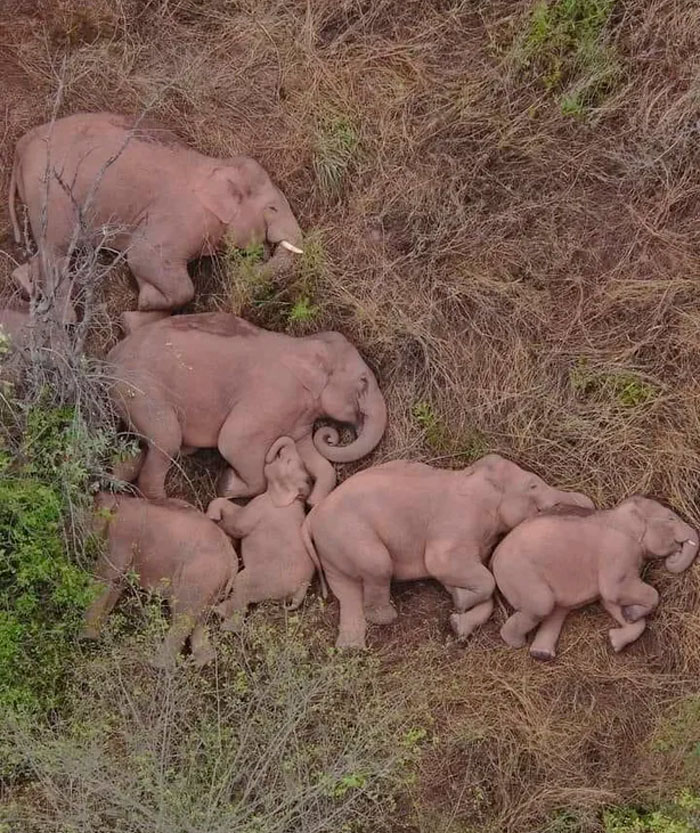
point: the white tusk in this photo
(288, 246)
(690, 541)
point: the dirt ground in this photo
(503, 209)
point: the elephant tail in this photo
(311, 551)
(11, 203)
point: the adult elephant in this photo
(136, 188)
(216, 381)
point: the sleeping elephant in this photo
(215, 381)
(407, 521)
(554, 563)
(165, 203)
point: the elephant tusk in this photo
(690, 541)
(288, 246)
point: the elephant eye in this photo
(272, 208)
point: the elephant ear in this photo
(310, 368)
(220, 194)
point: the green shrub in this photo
(42, 595)
(283, 735)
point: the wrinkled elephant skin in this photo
(552, 564)
(406, 520)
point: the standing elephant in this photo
(406, 521)
(215, 381)
(552, 564)
(173, 548)
(275, 562)
(164, 202)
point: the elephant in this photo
(138, 189)
(551, 564)
(174, 548)
(275, 562)
(406, 520)
(214, 380)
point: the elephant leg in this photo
(352, 627)
(111, 567)
(628, 632)
(202, 650)
(23, 278)
(319, 468)
(638, 600)
(378, 607)
(469, 582)
(183, 623)
(100, 609)
(245, 476)
(164, 282)
(130, 321)
(298, 596)
(164, 441)
(514, 632)
(233, 609)
(545, 642)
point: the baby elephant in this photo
(276, 564)
(556, 562)
(173, 548)
(407, 521)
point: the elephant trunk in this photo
(682, 559)
(371, 430)
(284, 231)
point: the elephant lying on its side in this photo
(167, 203)
(214, 380)
(406, 521)
(174, 548)
(275, 562)
(552, 564)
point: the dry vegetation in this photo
(501, 198)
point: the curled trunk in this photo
(682, 559)
(369, 431)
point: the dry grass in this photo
(528, 279)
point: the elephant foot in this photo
(89, 632)
(163, 661)
(513, 640)
(130, 321)
(203, 656)
(230, 485)
(633, 613)
(23, 280)
(463, 625)
(542, 654)
(234, 623)
(350, 639)
(384, 615)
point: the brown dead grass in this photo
(480, 249)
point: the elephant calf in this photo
(552, 564)
(276, 564)
(406, 521)
(173, 548)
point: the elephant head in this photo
(660, 531)
(253, 210)
(350, 396)
(287, 478)
(522, 494)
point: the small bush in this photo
(565, 45)
(283, 736)
(336, 149)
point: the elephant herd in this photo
(213, 380)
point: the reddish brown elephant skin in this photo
(140, 190)
(556, 562)
(406, 520)
(214, 380)
(173, 548)
(275, 562)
